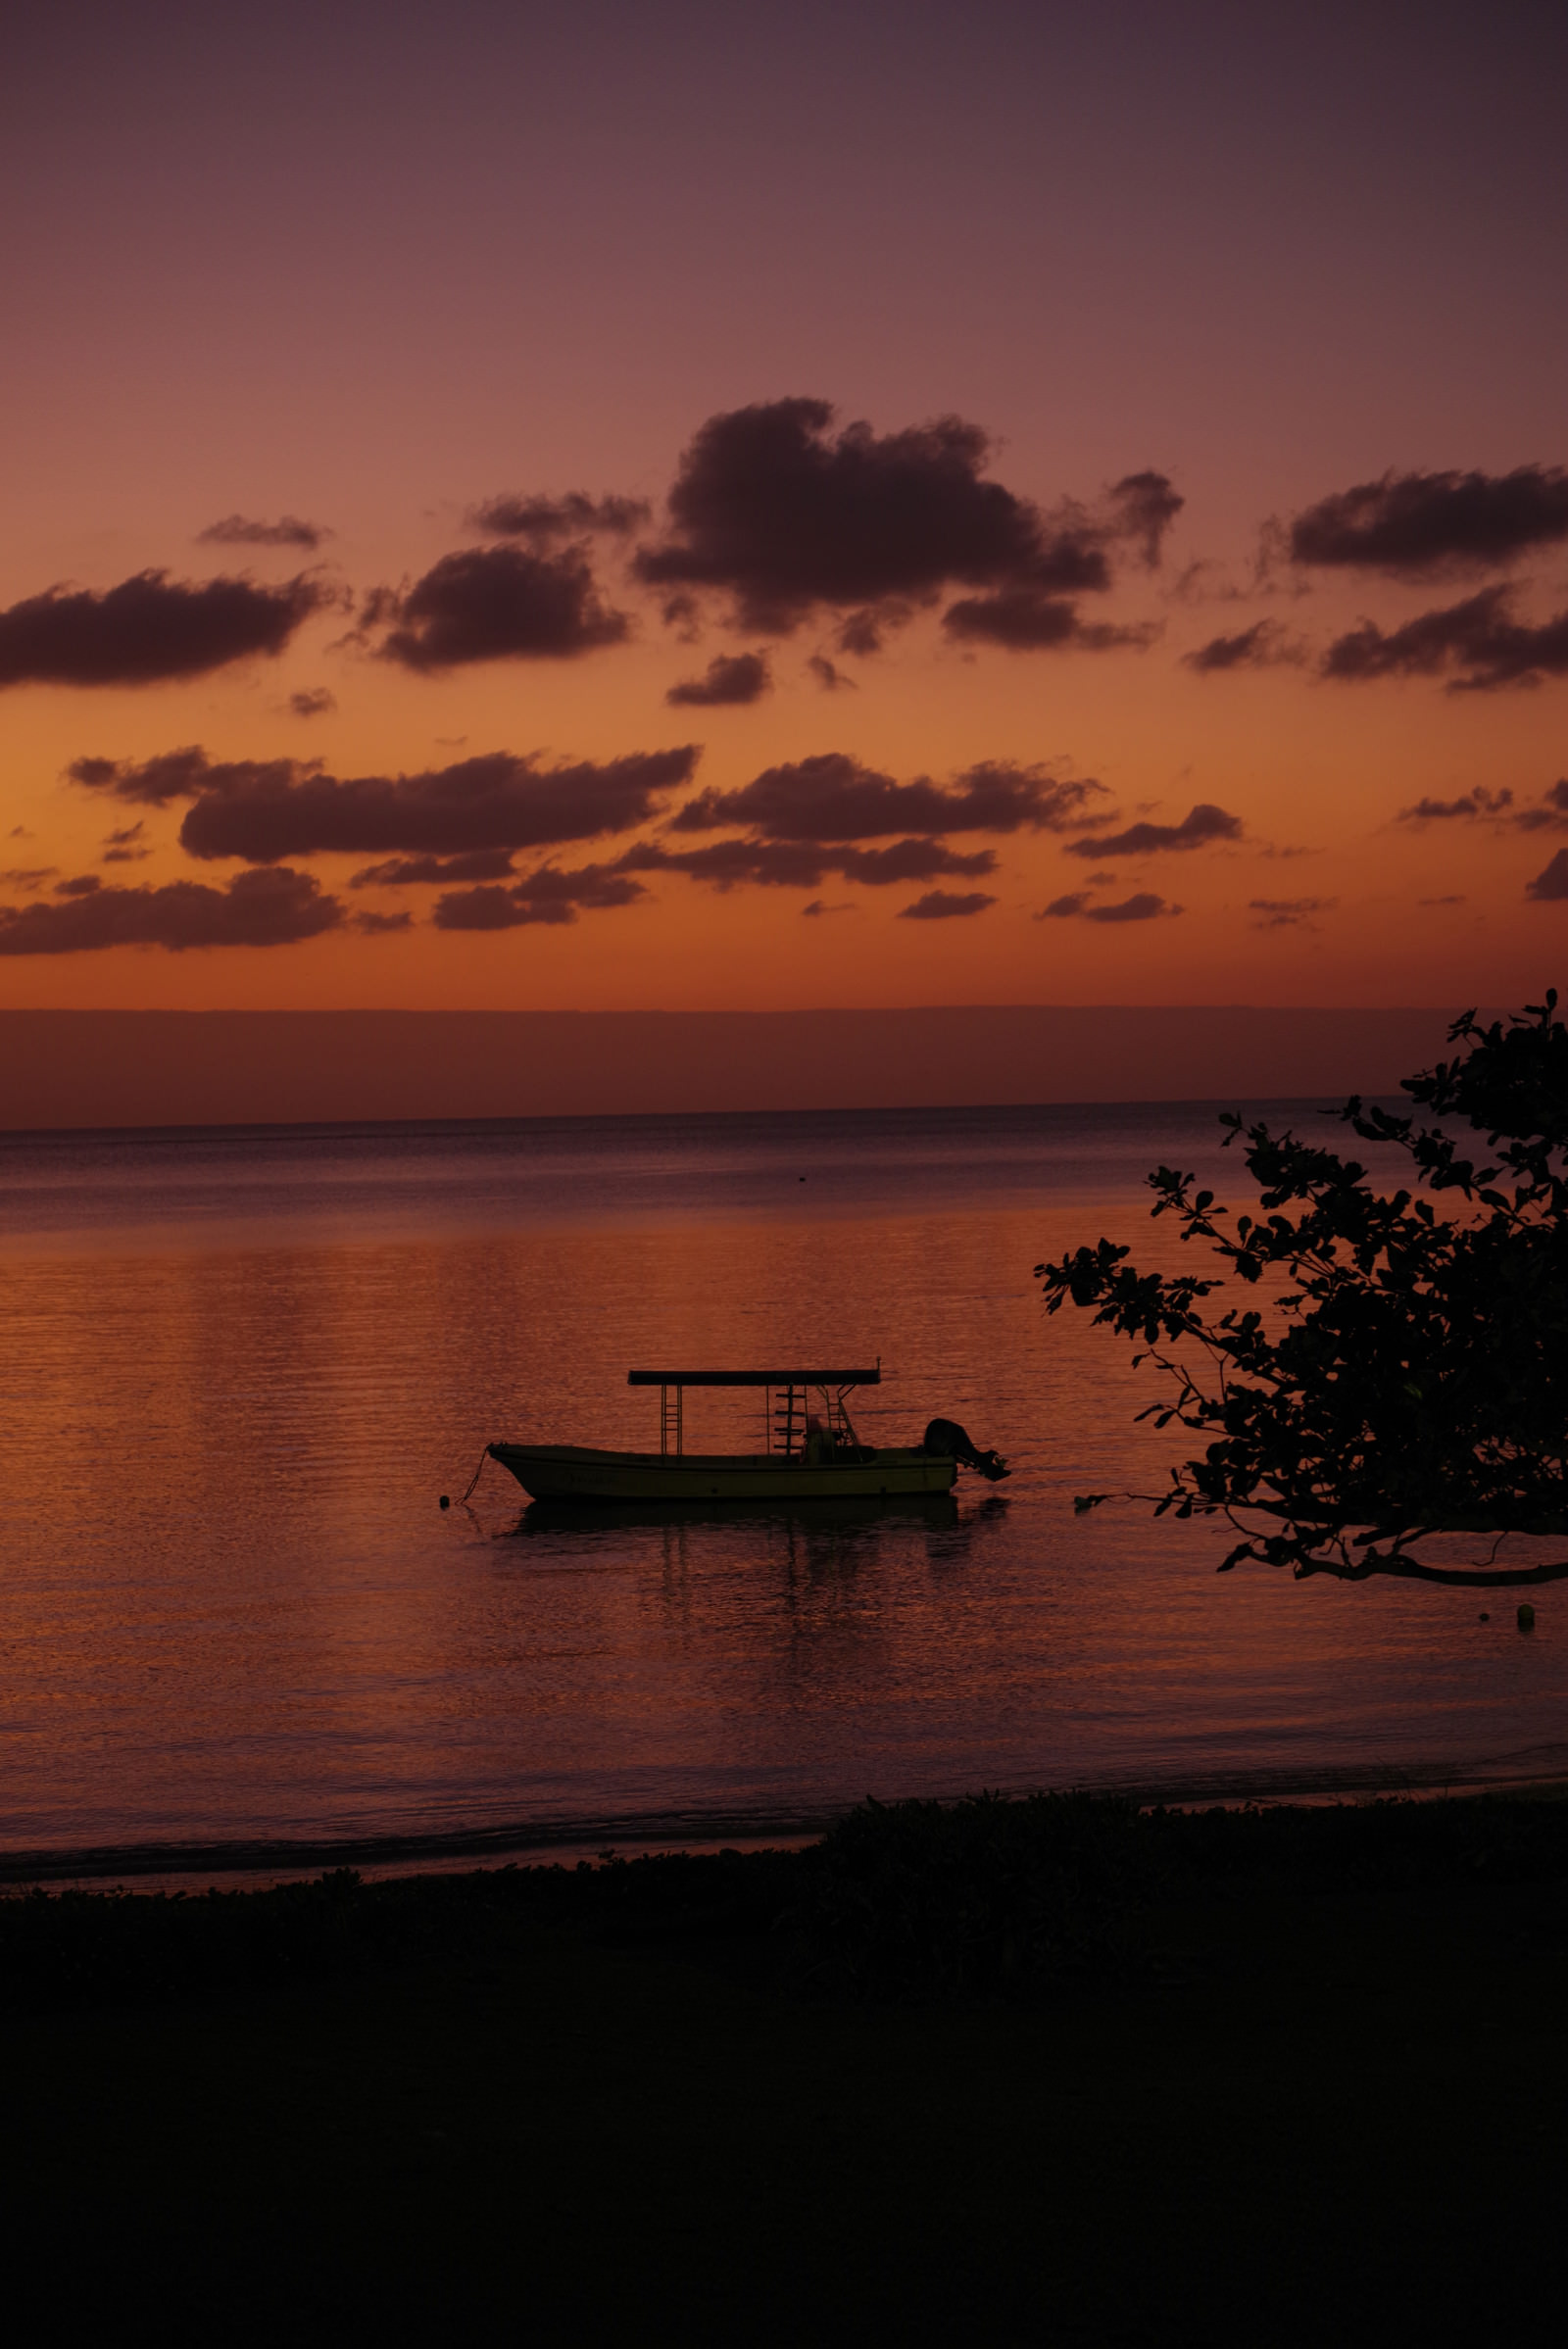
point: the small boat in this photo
(809, 1449)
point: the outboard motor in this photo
(945, 1439)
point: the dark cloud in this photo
(1142, 906)
(1288, 913)
(170, 775)
(1442, 901)
(1427, 525)
(834, 796)
(942, 905)
(1145, 504)
(731, 679)
(502, 603)
(864, 633)
(81, 885)
(547, 521)
(775, 511)
(376, 926)
(264, 811)
(318, 702)
(806, 864)
(257, 908)
(1478, 801)
(1261, 646)
(818, 906)
(1201, 826)
(549, 895)
(1479, 641)
(831, 679)
(127, 846)
(1021, 619)
(28, 876)
(1145, 906)
(234, 530)
(490, 910)
(1551, 885)
(1549, 814)
(149, 629)
(404, 872)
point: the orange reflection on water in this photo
(232, 1607)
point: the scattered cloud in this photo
(1479, 642)
(1550, 812)
(267, 810)
(549, 895)
(1551, 885)
(1147, 504)
(235, 530)
(1478, 801)
(1288, 913)
(732, 679)
(28, 876)
(1442, 901)
(127, 846)
(1434, 525)
(1262, 645)
(818, 906)
(377, 925)
(545, 521)
(1022, 620)
(503, 603)
(832, 796)
(316, 701)
(806, 864)
(775, 511)
(830, 679)
(1144, 906)
(943, 904)
(1201, 826)
(405, 872)
(150, 629)
(275, 908)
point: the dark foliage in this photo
(966, 1899)
(1405, 1372)
(974, 1901)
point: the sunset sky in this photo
(612, 505)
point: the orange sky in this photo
(292, 269)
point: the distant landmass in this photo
(177, 1068)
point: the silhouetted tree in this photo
(1401, 1370)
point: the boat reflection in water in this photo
(937, 1511)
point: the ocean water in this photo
(237, 1369)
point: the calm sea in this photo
(238, 1368)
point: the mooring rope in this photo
(474, 1479)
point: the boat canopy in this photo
(755, 1378)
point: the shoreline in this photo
(253, 1862)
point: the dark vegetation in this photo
(999, 2071)
(1398, 1369)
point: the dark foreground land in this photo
(1047, 2072)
